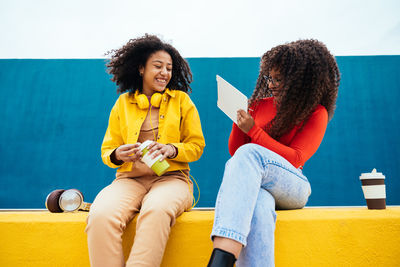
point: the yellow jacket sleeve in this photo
(112, 138)
(192, 140)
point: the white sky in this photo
(202, 28)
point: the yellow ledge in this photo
(344, 236)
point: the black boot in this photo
(221, 258)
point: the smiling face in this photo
(156, 73)
(275, 82)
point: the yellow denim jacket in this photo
(179, 124)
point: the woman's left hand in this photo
(244, 121)
(156, 149)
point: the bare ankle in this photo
(228, 245)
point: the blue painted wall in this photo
(54, 114)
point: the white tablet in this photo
(230, 99)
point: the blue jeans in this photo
(256, 181)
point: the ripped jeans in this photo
(256, 181)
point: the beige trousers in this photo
(160, 201)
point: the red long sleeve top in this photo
(296, 146)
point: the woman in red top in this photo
(289, 110)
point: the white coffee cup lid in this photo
(145, 144)
(372, 175)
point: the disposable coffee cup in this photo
(373, 186)
(159, 167)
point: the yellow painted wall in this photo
(307, 237)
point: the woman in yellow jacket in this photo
(154, 80)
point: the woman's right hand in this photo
(244, 121)
(128, 152)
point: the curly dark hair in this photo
(310, 77)
(125, 63)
